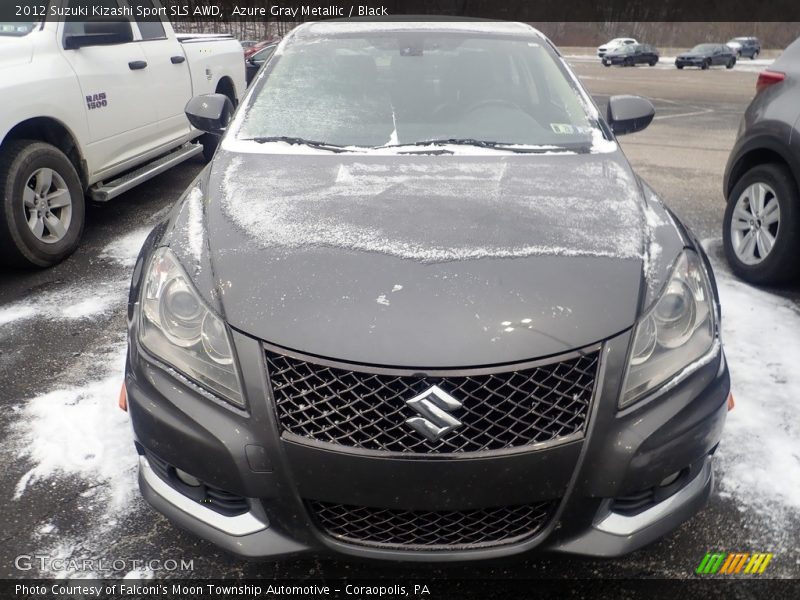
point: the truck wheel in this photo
(42, 210)
(761, 226)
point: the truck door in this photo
(171, 86)
(114, 82)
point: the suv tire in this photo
(780, 264)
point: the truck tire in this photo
(42, 210)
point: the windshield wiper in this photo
(479, 144)
(298, 141)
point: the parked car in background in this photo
(95, 107)
(254, 62)
(704, 56)
(248, 43)
(248, 52)
(761, 227)
(388, 372)
(745, 46)
(615, 43)
(631, 55)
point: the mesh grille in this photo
(430, 530)
(369, 410)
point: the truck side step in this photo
(105, 191)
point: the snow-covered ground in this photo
(759, 457)
(76, 430)
(668, 62)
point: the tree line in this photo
(666, 34)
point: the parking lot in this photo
(68, 486)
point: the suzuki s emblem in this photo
(435, 405)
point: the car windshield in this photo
(17, 29)
(399, 88)
(701, 48)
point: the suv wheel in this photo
(42, 209)
(761, 227)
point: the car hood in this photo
(15, 51)
(419, 261)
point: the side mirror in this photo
(629, 114)
(210, 112)
(100, 33)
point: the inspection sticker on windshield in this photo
(562, 128)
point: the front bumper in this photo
(689, 62)
(620, 454)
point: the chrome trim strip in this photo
(237, 526)
(435, 371)
(622, 525)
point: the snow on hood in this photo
(301, 244)
(437, 210)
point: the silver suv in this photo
(761, 230)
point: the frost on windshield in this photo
(451, 209)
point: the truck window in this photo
(150, 27)
(77, 27)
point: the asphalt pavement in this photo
(62, 340)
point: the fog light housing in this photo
(189, 480)
(669, 479)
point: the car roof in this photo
(349, 27)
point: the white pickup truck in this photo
(94, 107)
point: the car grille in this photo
(430, 530)
(368, 410)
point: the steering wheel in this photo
(491, 102)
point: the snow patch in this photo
(79, 431)
(125, 250)
(759, 456)
(72, 303)
(334, 206)
(195, 231)
(16, 312)
(139, 574)
(382, 299)
(760, 450)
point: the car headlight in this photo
(179, 328)
(675, 333)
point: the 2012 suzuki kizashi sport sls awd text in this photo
(419, 307)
